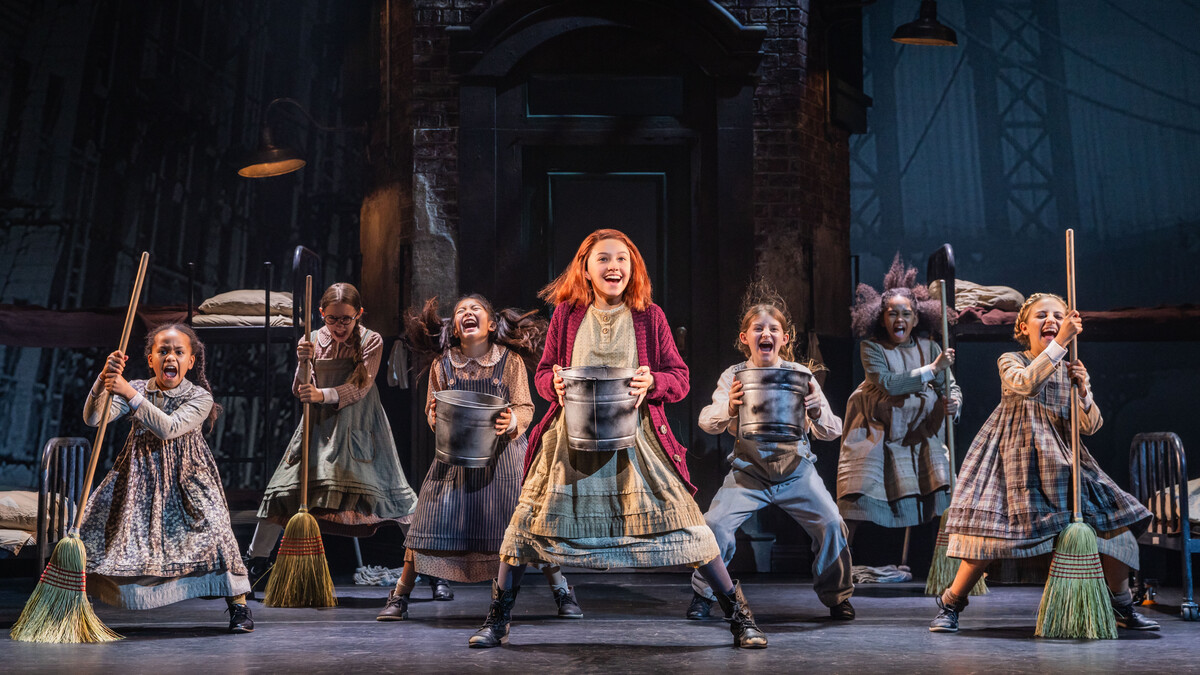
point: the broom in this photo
(943, 569)
(59, 611)
(300, 577)
(1076, 602)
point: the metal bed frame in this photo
(1158, 477)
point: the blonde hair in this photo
(1023, 314)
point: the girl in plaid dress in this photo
(1014, 490)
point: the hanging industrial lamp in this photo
(926, 30)
(272, 160)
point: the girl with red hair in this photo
(631, 507)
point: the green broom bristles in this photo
(944, 568)
(1076, 601)
(59, 611)
(300, 577)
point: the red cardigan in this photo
(656, 348)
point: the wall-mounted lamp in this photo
(926, 30)
(271, 160)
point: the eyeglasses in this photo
(344, 320)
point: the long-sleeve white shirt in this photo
(767, 460)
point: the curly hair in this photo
(572, 286)
(761, 297)
(900, 281)
(1023, 314)
(201, 362)
(428, 335)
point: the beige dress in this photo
(894, 468)
(623, 508)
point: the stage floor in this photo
(633, 623)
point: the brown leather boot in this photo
(494, 631)
(396, 608)
(746, 633)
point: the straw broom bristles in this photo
(300, 577)
(944, 568)
(1075, 603)
(58, 611)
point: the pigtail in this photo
(360, 378)
(522, 333)
(202, 381)
(426, 334)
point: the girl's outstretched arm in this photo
(875, 366)
(94, 406)
(186, 417)
(1025, 380)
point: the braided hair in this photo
(343, 293)
(201, 362)
(900, 281)
(428, 335)
(1023, 314)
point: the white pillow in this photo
(247, 303)
(18, 510)
(970, 294)
(208, 320)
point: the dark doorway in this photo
(645, 192)
(577, 116)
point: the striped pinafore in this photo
(462, 512)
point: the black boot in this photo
(741, 620)
(700, 607)
(494, 631)
(240, 619)
(1127, 617)
(441, 589)
(256, 569)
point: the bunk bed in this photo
(257, 323)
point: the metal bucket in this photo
(772, 408)
(466, 427)
(600, 413)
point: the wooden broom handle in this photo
(130, 315)
(304, 436)
(946, 384)
(1072, 355)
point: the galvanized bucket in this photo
(773, 405)
(466, 427)
(600, 413)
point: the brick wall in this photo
(801, 167)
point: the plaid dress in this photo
(1014, 491)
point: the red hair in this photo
(572, 286)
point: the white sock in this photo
(266, 535)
